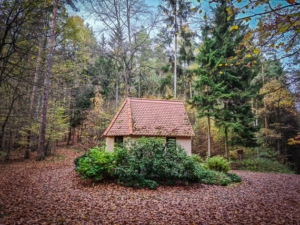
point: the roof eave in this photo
(113, 121)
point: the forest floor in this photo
(50, 192)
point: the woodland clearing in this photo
(50, 192)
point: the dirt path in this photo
(51, 193)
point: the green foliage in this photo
(264, 165)
(217, 163)
(148, 159)
(269, 154)
(266, 153)
(96, 164)
(213, 177)
(148, 162)
(223, 86)
(76, 161)
(234, 178)
(57, 121)
(196, 158)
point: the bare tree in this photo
(122, 21)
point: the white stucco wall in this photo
(110, 141)
(185, 142)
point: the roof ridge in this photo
(157, 100)
(115, 118)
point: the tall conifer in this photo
(224, 78)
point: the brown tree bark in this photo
(41, 142)
(208, 137)
(226, 143)
(34, 88)
(2, 132)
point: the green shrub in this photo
(206, 176)
(76, 161)
(96, 164)
(149, 159)
(217, 163)
(196, 158)
(148, 162)
(234, 178)
(222, 179)
(264, 165)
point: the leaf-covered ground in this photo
(50, 192)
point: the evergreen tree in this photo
(208, 90)
(224, 78)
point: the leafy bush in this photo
(148, 162)
(222, 178)
(76, 161)
(196, 158)
(217, 163)
(96, 164)
(234, 178)
(148, 159)
(206, 176)
(264, 165)
(216, 178)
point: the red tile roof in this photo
(145, 117)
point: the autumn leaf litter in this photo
(50, 192)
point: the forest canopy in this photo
(65, 67)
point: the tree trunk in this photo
(6, 120)
(184, 88)
(226, 144)
(126, 80)
(265, 107)
(278, 137)
(208, 137)
(33, 94)
(69, 135)
(9, 146)
(175, 68)
(256, 113)
(130, 63)
(35, 137)
(175, 53)
(139, 94)
(41, 142)
(278, 129)
(117, 93)
(191, 89)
